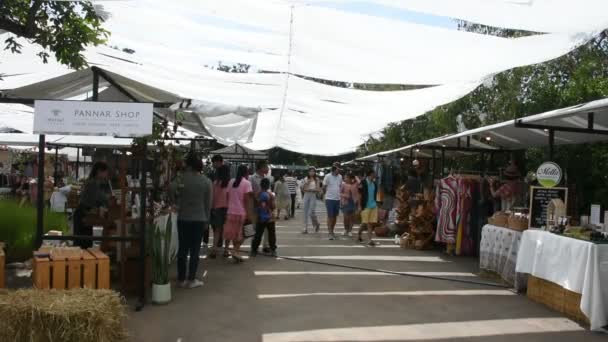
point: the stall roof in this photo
(571, 125)
(19, 139)
(239, 152)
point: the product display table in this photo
(498, 252)
(576, 265)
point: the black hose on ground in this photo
(463, 281)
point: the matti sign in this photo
(124, 119)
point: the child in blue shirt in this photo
(265, 209)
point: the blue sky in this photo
(392, 13)
(361, 7)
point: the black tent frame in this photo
(97, 72)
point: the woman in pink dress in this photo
(239, 189)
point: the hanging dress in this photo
(445, 202)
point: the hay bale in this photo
(61, 315)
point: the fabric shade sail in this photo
(290, 43)
(326, 43)
(528, 15)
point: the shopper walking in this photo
(265, 220)
(283, 197)
(219, 209)
(261, 172)
(217, 161)
(192, 195)
(349, 202)
(311, 189)
(239, 189)
(332, 184)
(292, 184)
(369, 207)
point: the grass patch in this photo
(18, 228)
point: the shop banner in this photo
(122, 119)
(549, 174)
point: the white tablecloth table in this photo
(498, 252)
(576, 265)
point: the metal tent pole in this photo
(56, 175)
(551, 144)
(442, 162)
(77, 162)
(142, 236)
(40, 193)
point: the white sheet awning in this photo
(508, 136)
(292, 38)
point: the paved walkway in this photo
(274, 300)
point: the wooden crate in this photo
(69, 268)
(556, 298)
(2, 265)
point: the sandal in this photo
(226, 254)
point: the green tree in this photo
(577, 77)
(63, 27)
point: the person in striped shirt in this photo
(292, 185)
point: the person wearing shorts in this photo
(332, 185)
(369, 207)
(239, 189)
(349, 203)
(219, 210)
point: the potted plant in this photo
(162, 255)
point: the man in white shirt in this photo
(332, 185)
(59, 198)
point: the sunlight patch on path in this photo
(430, 331)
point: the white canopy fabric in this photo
(294, 113)
(507, 136)
(323, 108)
(15, 118)
(529, 15)
(325, 43)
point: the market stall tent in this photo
(238, 153)
(579, 124)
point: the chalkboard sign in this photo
(539, 200)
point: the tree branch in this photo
(13, 27)
(30, 27)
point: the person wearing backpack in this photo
(265, 219)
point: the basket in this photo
(556, 298)
(499, 219)
(519, 223)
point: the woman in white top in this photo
(310, 188)
(283, 197)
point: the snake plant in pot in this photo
(162, 255)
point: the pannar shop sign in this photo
(549, 174)
(124, 119)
